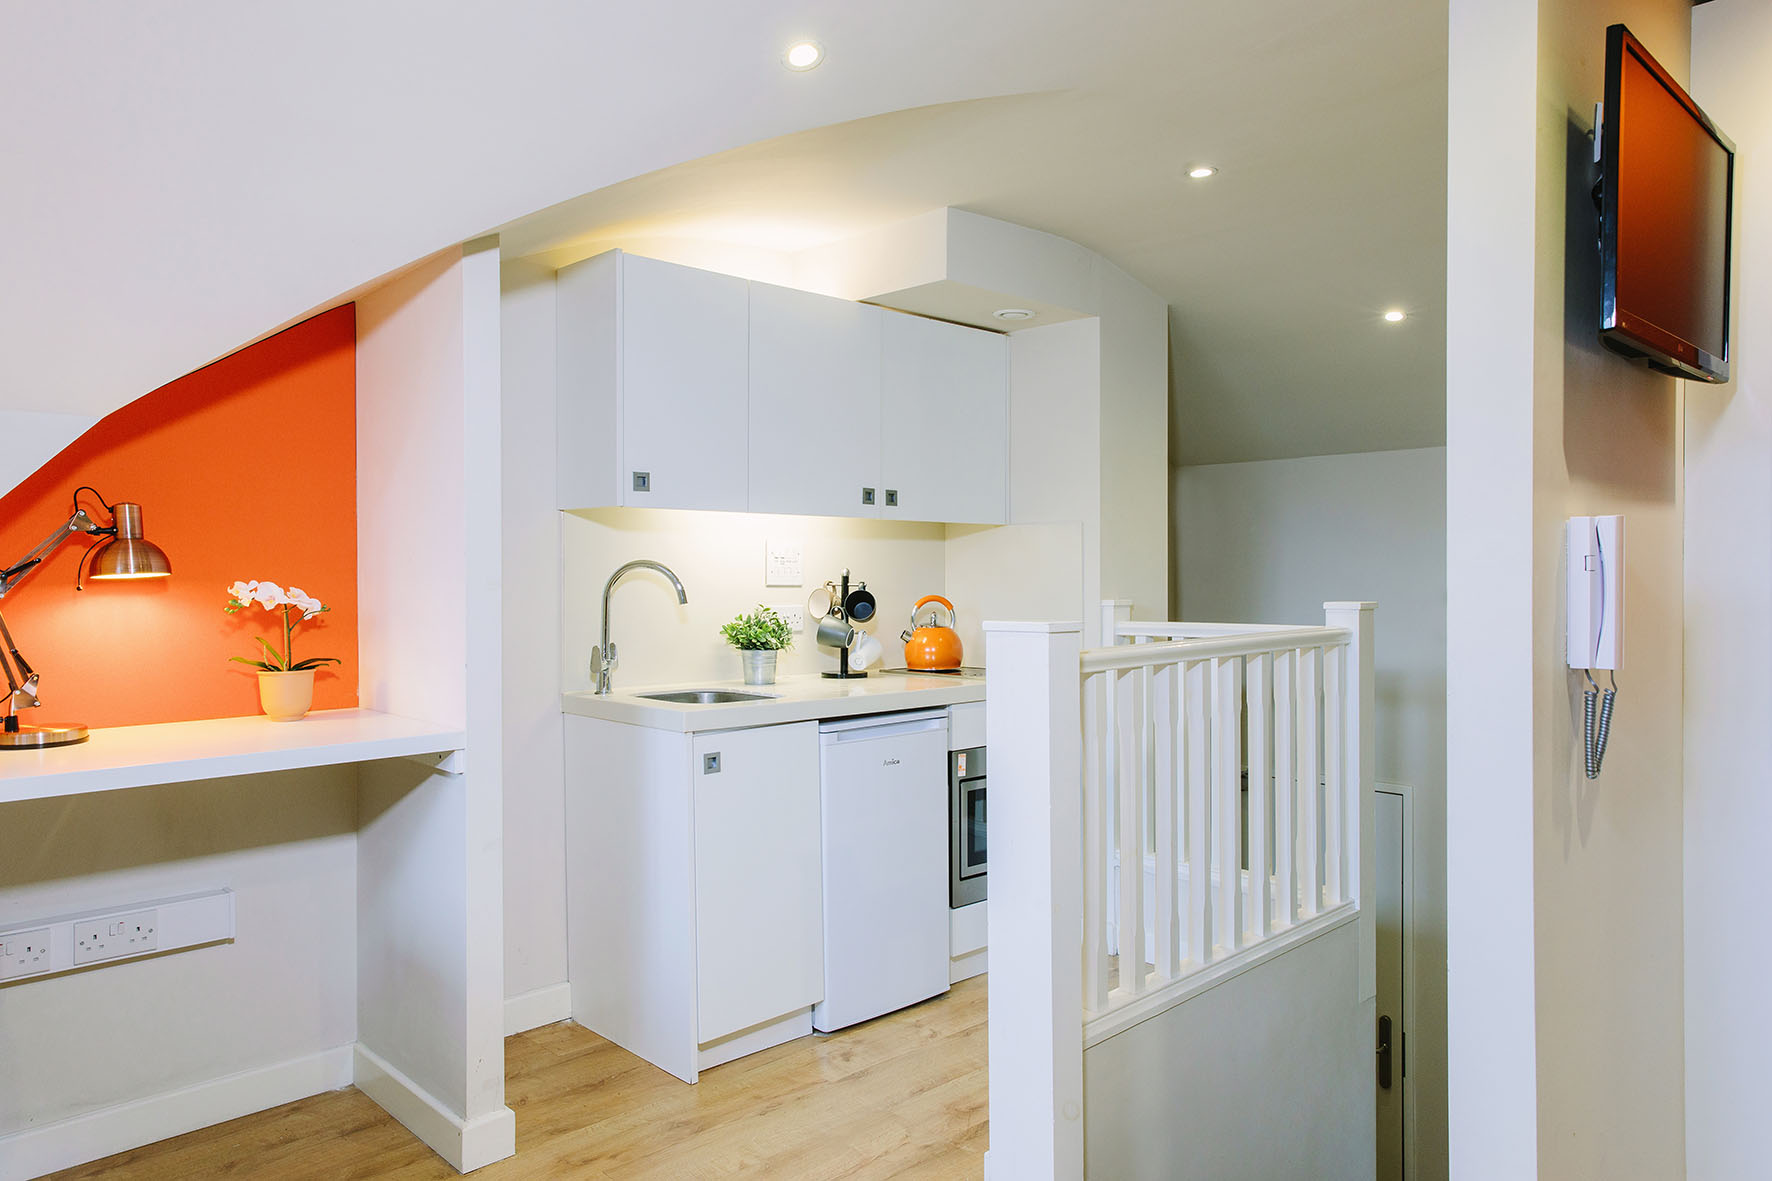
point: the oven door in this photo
(969, 859)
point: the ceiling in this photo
(1327, 124)
(184, 179)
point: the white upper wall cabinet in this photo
(944, 430)
(652, 377)
(814, 404)
(682, 388)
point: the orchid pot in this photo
(285, 684)
(286, 697)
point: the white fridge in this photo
(883, 787)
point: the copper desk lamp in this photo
(123, 555)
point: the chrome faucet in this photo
(603, 656)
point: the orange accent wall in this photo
(246, 469)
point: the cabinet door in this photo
(944, 422)
(759, 919)
(682, 405)
(814, 404)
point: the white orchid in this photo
(270, 596)
(307, 604)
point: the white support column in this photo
(1032, 709)
(1359, 755)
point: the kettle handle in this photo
(926, 599)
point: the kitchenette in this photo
(750, 863)
(753, 860)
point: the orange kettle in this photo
(928, 646)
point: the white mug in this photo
(864, 650)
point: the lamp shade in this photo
(127, 555)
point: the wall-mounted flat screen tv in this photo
(1666, 189)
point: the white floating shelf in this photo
(179, 752)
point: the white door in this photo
(884, 793)
(814, 404)
(1391, 918)
(944, 422)
(684, 346)
(759, 941)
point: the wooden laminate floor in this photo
(901, 1096)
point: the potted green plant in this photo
(285, 684)
(758, 637)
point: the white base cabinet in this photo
(759, 923)
(694, 910)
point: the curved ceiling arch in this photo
(186, 178)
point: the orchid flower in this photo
(270, 596)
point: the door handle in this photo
(1384, 1053)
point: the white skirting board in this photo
(538, 1007)
(965, 967)
(465, 1144)
(97, 1134)
(757, 1037)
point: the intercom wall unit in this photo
(1596, 592)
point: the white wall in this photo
(1157, 1109)
(534, 768)
(28, 440)
(1271, 542)
(1729, 634)
(1564, 895)
(285, 988)
(719, 557)
(1014, 572)
(1055, 464)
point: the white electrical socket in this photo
(116, 935)
(24, 953)
(792, 614)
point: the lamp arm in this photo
(12, 575)
(9, 658)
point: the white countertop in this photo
(801, 697)
(178, 752)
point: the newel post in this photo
(1360, 751)
(1032, 712)
(1114, 612)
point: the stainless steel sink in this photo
(705, 696)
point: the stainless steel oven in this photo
(967, 862)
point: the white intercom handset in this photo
(1596, 620)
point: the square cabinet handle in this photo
(867, 496)
(710, 764)
(642, 481)
(891, 498)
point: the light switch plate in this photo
(783, 564)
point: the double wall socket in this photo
(792, 614)
(99, 938)
(116, 935)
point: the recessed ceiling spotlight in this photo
(803, 55)
(1013, 314)
(1201, 171)
(1396, 315)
